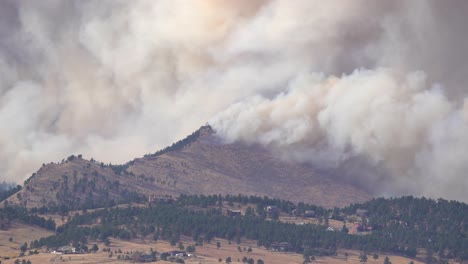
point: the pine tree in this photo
(363, 257)
(387, 261)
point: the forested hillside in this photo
(435, 230)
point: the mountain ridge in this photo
(198, 164)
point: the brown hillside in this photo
(78, 182)
(200, 164)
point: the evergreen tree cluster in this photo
(407, 224)
(6, 190)
(9, 214)
(181, 143)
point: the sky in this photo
(373, 92)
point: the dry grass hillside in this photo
(199, 164)
(210, 167)
(207, 253)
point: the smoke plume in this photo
(371, 91)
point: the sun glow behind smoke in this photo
(372, 91)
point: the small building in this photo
(361, 228)
(362, 212)
(281, 247)
(309, 213)
(330, 229)
(157, 199)
(65, 250)
(272, 210)
(233, 213)
(177, 253)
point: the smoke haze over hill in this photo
(374, 91)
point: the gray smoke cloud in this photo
(373, 91)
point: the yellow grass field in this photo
(208, 253)
(19, 233)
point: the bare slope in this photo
(77, 182)
(210, 167)
(200, 164)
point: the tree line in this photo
(407, 224)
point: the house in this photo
(156, 199)
(330, 229)
(309, 213)
(362, 228)
(177, 253)
(359, 227)
(362, 212)
(281, 247)
(65, 250)
(233, 213)
(272, 210)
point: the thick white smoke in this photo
(397, 123)
(372, 90)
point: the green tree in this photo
(218, 245)
(191, 248)
(164, 256)
(344, 229)
(274, 215)
(308, 255)
(363, 257)
(24, 247)
(375, 256)
(387, 261)
(249, 211)
(228, 260)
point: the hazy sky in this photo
(372, 91)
